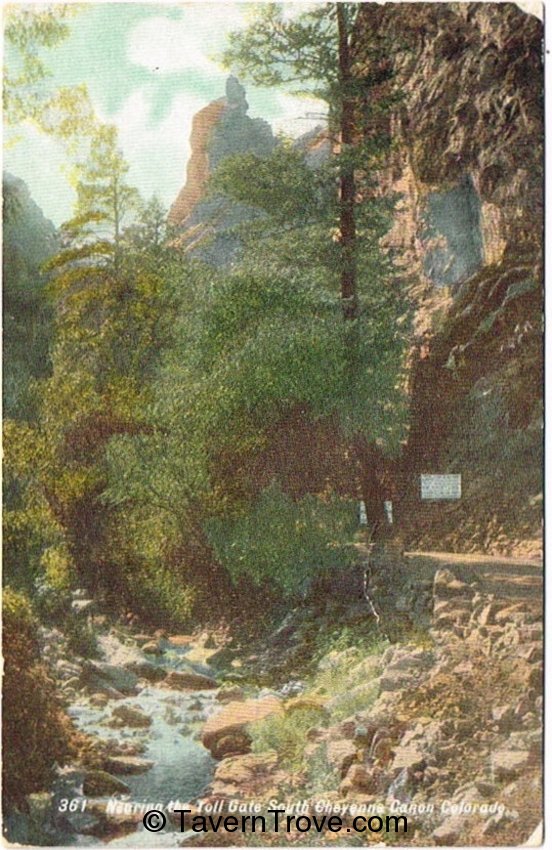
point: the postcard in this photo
(273, 424)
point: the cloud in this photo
(167, 45)
(157, 151)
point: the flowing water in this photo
(181, 766)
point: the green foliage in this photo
(285, 734)
(35, 733)
(168, 375)
(81, 637)
(300, 52)
(284, 542)
(66, 112)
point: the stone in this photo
(306, 703)
(142, 639)
(532, 653)
(99, 783)
(229, 693)
(503, 715)
(82, 606)
(152, 648)
(445, 584)
(180, 640)
(450, 831)
(99, 700)
(488, 614)
(107, 691)
(189, 680)
(409, 756)
(238, 743)
(410, 659)
(235, 717)
(96, 673)
(131, 716)
(127, 765)
(358, 778)
(147, 670)
(246, 775)
(507, 764)
(396, 680)
(341, 754)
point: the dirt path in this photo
(519, 578)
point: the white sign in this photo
(362, 517)
(434, 487)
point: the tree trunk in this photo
(347, 187)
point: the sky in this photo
(148, 68)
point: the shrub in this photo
(35, 732)
(284, 542)
(286, 734)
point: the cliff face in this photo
(28, 240)
(467, 131)
(467, 163)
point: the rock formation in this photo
(219, 130)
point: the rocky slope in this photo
(446, 731)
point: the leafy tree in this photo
(336, 209)
(30, 32)
(315, 52)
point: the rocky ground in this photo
(453, 739)
(443, 724)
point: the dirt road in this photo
(505, 577)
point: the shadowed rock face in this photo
(467, 131)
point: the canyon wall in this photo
(467, 166)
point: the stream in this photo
(180, 768)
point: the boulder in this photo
(445, 585)
(99, 783)
(142, 639)
(131, 716)
(235, 717)
(98, 673)
(99, 700)
(410, 756)
(245, 775)
(507, 764)
(152, 648)
(106, 691)
(306, 703)
(358, 778)
(82, 606)
(229, 693)
(180, 640)
(127, 765)
(147, 670)
(235, 744)
(396, 680)
(450, 831)
(189, 680)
